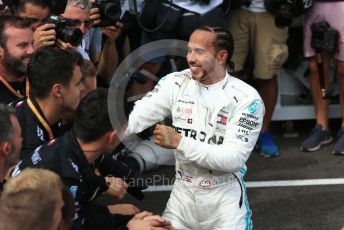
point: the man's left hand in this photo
(166, 137)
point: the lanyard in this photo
(13, 91)
(40, 118)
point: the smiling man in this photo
(16, 39)
(216, 122)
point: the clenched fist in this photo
(166, 137)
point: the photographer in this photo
(332, 11)
(37, 11)
(254, 31)
(84, 18)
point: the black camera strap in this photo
(153, 6)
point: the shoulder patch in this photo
(253, 107)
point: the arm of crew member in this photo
(231, 155)
(109, 57)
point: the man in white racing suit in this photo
(216, 122)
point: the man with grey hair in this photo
(84, 17)
(10, 141)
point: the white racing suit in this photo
(209, 192)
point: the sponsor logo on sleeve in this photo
(253, 107)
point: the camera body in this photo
(286, 10)
(56, 6)
(324, 37)
(111, 11)
(65, 30)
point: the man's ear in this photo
(6, 148)
(57, 90)
(222, 56)
(112, 137)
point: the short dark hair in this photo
(6, 127)
(51, 65)
(224, 40)
(92, 117)
(20, 7)
(88, 69)
(14, 21)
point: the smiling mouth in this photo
(195, 68)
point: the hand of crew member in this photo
(166, 137)
(147, 221)
(117, 187)
(44, 35)
(124, 209)
(112, 32)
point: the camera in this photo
(286, 10)
(65, 30)
(110, 11)
(56, 6)
(324, 37)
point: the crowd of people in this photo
(56, 136)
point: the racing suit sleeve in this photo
(154, 107)
(242, 131)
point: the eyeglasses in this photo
(32, 20)
(77, 22)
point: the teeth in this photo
(194, 67)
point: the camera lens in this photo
(70, 35)
(112, 11)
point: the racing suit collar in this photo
(224, 98)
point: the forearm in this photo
(108, 61)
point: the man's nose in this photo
(30, 49)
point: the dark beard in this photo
(14, 65)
